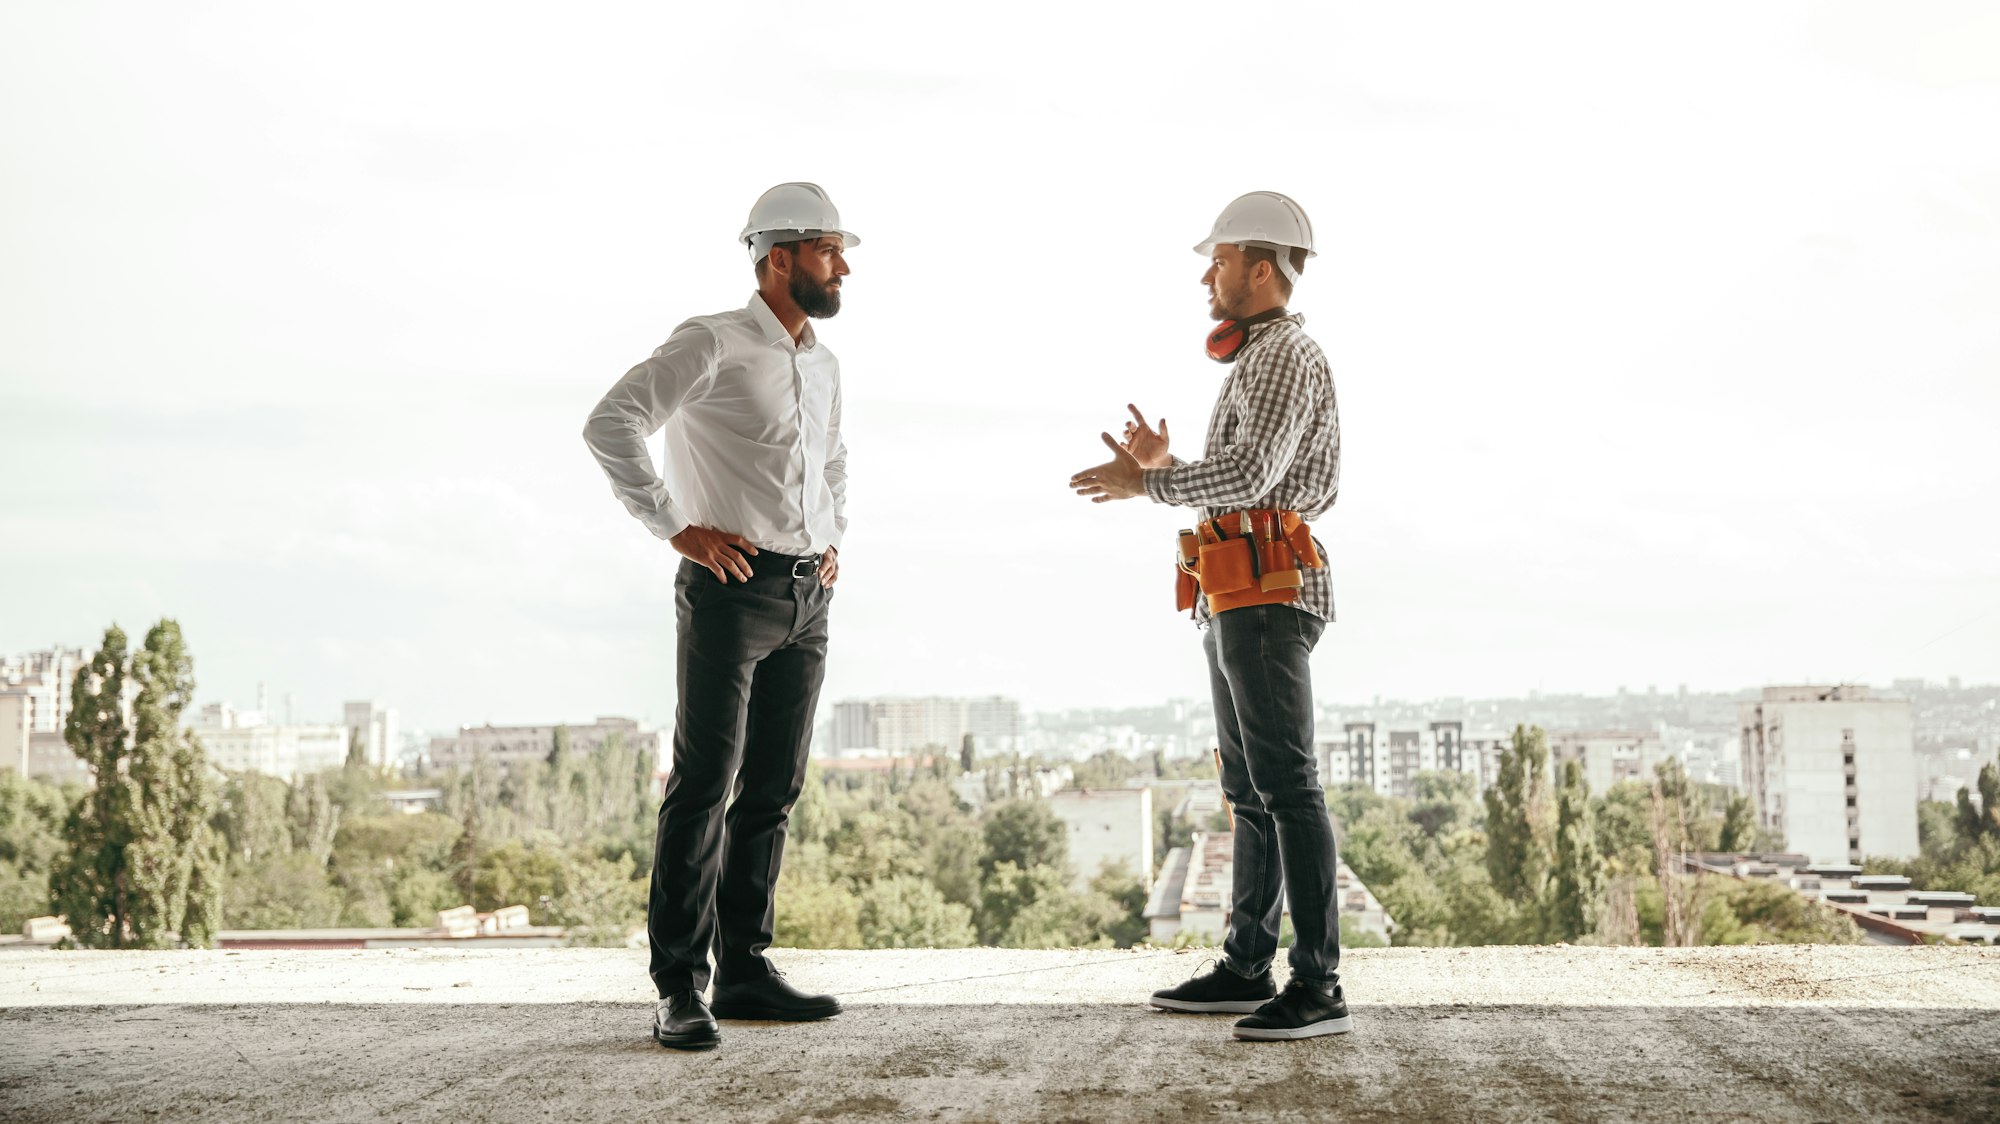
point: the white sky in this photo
(1665, 338)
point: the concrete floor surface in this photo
(1774, 1033)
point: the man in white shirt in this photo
(753, 497)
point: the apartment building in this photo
(1832, 770)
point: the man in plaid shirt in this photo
(1273, 444)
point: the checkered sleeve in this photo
(1275, 399)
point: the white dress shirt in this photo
(753, 434)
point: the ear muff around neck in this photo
(1229, 336)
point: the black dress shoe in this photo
(1305, 1009)
(1216, 991)
(772, 999)
(682, 1021)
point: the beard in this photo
(814, 299)
(1226, 301)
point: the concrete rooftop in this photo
(1771, 1033)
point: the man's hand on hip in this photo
(829, 568)
(1119, 478)
(719, 552)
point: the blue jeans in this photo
(1284, 851)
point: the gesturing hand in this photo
(1119, 478)
(1146, 446)
(717, 551)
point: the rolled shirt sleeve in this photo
(1275, 399)
(836, 469)
(635, 409)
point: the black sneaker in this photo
(1304, 1010)
(1219, 991)
(682, 1021)
(772, 999)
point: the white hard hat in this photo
(790, 212)
(1265, 219)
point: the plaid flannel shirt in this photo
(1273, 443)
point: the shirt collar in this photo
(774, 329)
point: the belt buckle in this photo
(809, 566)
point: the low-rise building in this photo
(1608, 757)
(1108, 827)
(1194, 893)
(513, 745)
(1883, 905)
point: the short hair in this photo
(764, 263)
(1254, 254)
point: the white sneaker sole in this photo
(1224, 1007)
(1288, 1034)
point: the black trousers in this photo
(1284, 849)
(749, 662)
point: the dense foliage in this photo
(876, 859)
(1535, 863)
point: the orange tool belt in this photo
(1246, 558)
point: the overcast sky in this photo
(1665, 339)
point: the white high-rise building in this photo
(16, 726)
(373, 727)
(35, 698)
(901, 725)
(249, 742)
(1832, 770)
(1387, 759)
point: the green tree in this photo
(251, 816)
(281, 890)
(1519, 820)
(1445, 801)
(519, 872)
(1026, 833)
(145, 864)
(1116, 884)
(813, 911)
(31, 846)
(1978, 821)
(1739, 825)
(1579, 867)
(597, 901)
(909, 912)
(1036, 908)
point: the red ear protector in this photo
(1229, 336)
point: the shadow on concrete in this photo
(332, 1062)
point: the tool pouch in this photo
(1230, 577)
(1225, 567)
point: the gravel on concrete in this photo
(1556, 1033)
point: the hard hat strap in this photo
(1282, 253)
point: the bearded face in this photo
(818, 299)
